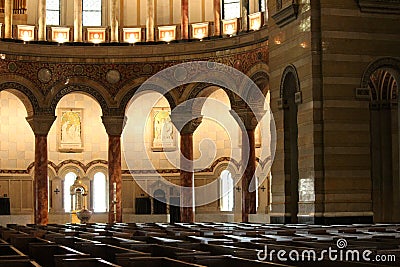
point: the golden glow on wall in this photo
(26, 32)
(229, 27)
(132, 35)
(255, 21)
(60, 34)
(96, 35)
(200, 30)
(167, 33)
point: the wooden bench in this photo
(85, 262)
(158, 262)
(18, 263)
(44, 253)
(109, 252)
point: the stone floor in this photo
(199, 244)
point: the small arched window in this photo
(99, 192)
(91, 12)
(68, 181)
(53, 12)
(226, 191)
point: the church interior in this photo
(197, 133)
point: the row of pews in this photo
(198, 244)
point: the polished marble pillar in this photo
(247, 119)
(78, 21)
(187, 178)
(114, 11)
(40, 180)
(184, 19)
(114, 126)
(248, 192)
(42, 20)
(8, 15)
(115, 182)
(150, 21)
(217, 17)
(40, 125)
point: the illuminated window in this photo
(226, 191)
(68, 181)
(53, 12)
(91, 12)
(231, 9)
(99, 192)
(262, 5)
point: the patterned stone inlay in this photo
(113, 76)
(44, 75)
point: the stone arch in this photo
(382, 77)
(385, 62)
(259, 74)
(88, 87)
(289, 86)
(25, 94)
(288, 75)
(131, 93)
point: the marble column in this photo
(42, 20)
(40, 180)
(8, 15)
(248, 196)
(187, 178)
(246, 118)
(40, 125)
(78, 21)
(114, 11)
(217, 17)
(114, 126)
(244, 14)
(115, 174)
(184, 19)
(150, 21)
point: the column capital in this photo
(247, 117)
(186, 123)
(114, 124)
(41, 123)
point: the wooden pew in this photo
(109, 252)
(231, 261)
(18, 263)
(44, 253)
(8, 252)
(21, 242)
(158, 262)
(85, 262)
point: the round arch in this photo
(385, 62)
(76, 85)
(23, 93)
(289, 75)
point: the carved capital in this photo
(186, 125)
(114, 124)
(40, 123)
(247, 117)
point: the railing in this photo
(163, 33)
(19, 6)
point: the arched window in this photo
(91, 12)
(53, 12)
(226, 191)
(99, 192)
(68, 181)
(231, 9)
